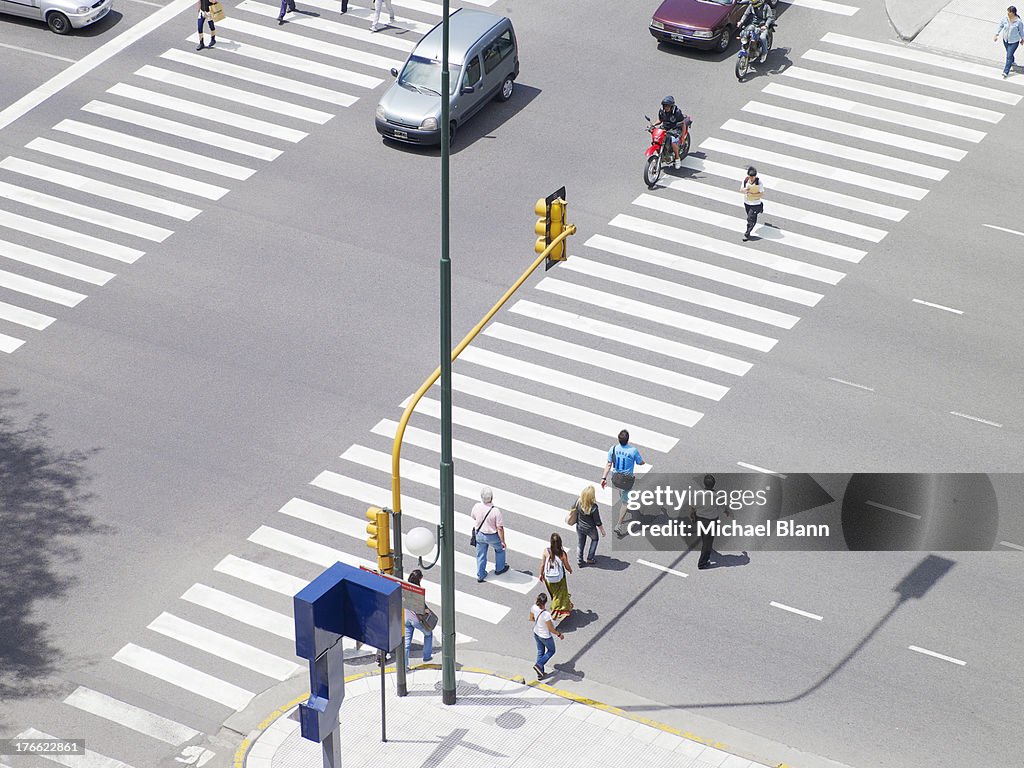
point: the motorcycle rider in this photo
(761, 15)
(671, 117)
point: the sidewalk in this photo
(960, 28)
(498, 722)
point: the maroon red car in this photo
(699, 23)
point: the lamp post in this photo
(446, 545)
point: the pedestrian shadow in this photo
(728, 561)
(608, 563)
(301, 12)
(565, 670)
(577, 620)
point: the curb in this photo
(242, 753)
(909, 24)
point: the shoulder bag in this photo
(472, 538)
(554, 571)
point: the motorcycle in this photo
(750, 48)
(660, 153)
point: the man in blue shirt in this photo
(621, 460)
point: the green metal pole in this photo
(447, 469)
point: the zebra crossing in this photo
(647, 326)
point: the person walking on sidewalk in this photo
(1012, 31)
(753, 191)
(705, 516)
(204, 16)
(418, 620)
(377, 7)
(554, 570)
(588, 523)
(622, 458)
(489, 531)
(543, 632)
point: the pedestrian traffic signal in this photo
(552, 210)
(380, 538)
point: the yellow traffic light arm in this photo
(396, 451)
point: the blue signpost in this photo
(341, 602)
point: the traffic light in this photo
(380, 538)
(552, 211)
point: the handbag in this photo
(428, 620)
(573, 512)
(623, 480)
(554, 572)
(472, 537)
(216, 11)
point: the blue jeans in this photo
(428, 639)
(483, 541)
(545, 649)
(1011, 49)
(582, 542)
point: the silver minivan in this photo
(60, 15)
(483, 64)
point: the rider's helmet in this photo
(668, 101)
(756, 3)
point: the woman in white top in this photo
(1012, 30)
(543, 629)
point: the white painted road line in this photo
(138, 719)
(926, 652)
(762, 470)
(20, 49)
(9, 343)
(850, 384)
(1008, 545)
(69, 237)
(223, 647)
(90, 61)
(825, 5)
(183, 676)
(26, 317)
(662, 568)
(88, 760)
(261, 575)
(319, 23)
(100, 188)
(50, 263)
(938, 306)
(39, 289)
(975, 418)
(875, 504)
(365, 14)
(126, 168)
(1004, 229)
(797, 611)
(222, 116)
(733, 250)
(241, 610)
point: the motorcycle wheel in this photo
(652, 170)
(741, 66)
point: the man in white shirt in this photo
(704, 515)
(490, 532)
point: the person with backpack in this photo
(543, 631)
(587, 519)
(554, 570)
(622, 458)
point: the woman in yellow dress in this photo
(554, 571)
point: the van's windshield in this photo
(424, 75)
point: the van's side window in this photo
(472, 72)
(497, 50)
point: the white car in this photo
(60, 15)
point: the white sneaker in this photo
(675, 164)
(374, 28)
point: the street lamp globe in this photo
(419, 542)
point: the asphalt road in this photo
(220, 373)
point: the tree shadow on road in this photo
(42, 504)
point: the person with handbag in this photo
(1011, 29)
(587, 519)
(622, 458)
(205, 16)
(543, 632)
(424, 621)
(554, 570)
(488, 531)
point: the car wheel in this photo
(58, 23)
(506, 89)
(724, 40)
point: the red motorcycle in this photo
(660, 153)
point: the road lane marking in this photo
(797, 611)
(241, 610)
(321, 24)
(938, 306)
(762, 470)
(1011, 546)
(261, 575)
(850, 384)
(37, 53)
(89, 62)
(975, 418)
(926, 652)
(662, 568)
(138, 719)
(1004, 229)
(825, 5)
(40, 290)
(9, 343)
(89, 759)
(366, 14)
(50, 263)
(183, 676)
(69, 237)
(893, 509)
(26, 317)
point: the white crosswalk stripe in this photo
(261, 575)
(26, 317)
(288, 84)
(39, 289)
(200, 135)
(241, 610)
(365, 14)
(360, 34)
(89, 759)
(69, 237)
(183, 676)
(9, 343)
(825, 5)
(130, 716)
(55, 264)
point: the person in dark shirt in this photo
(671, 117)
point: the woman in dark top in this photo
(204, 15)
(588, 523)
